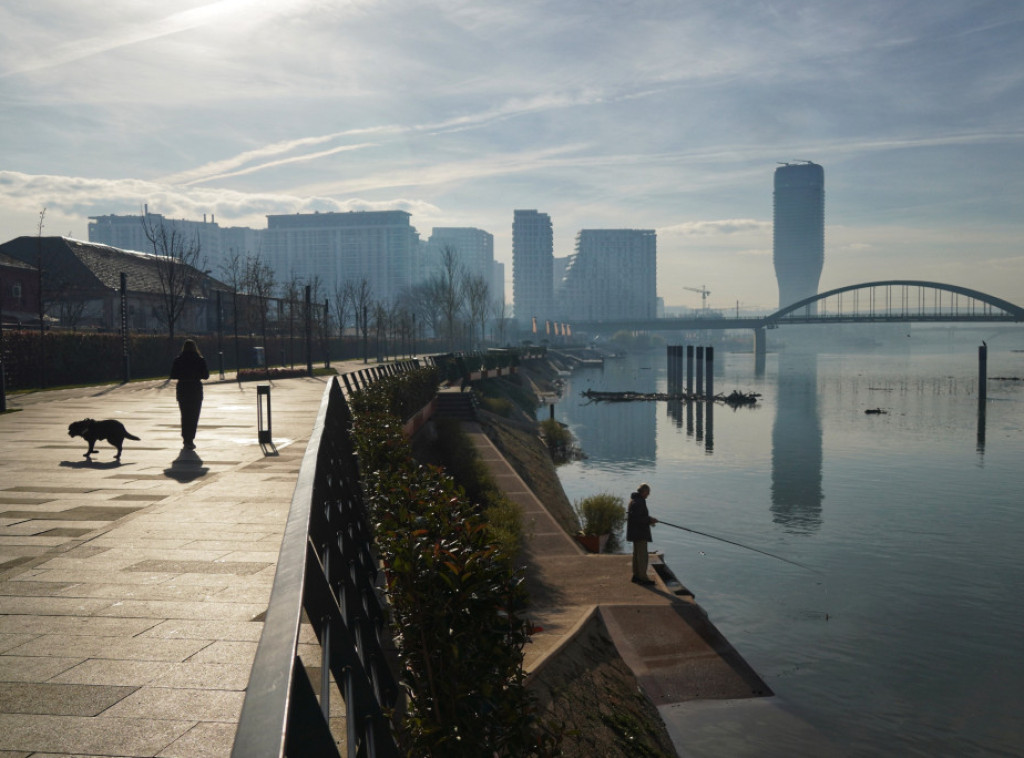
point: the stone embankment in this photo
(599, 636)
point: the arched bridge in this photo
(897, 300)
(883, 301)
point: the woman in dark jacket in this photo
(189, 368)
(638, 531)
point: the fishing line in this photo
(738, 544)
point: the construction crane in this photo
(704, 292)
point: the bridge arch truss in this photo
(897, 300)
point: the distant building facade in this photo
(799, 230)
(612, 276)
(532, 257)
(381, 247)
(475, 249)
(128, 232)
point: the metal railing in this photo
(325, 568)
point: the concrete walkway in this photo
(130, 592)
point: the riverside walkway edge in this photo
(132, 592)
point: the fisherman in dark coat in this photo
(638, 531)
(189, 368)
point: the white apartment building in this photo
(475, 250)
(379, 246)
(532, 260)
(612, 276)
(128, 232)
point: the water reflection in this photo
(796, 445)
(623, 432)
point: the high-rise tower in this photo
(799, 232)
(613, 275)
(532, 259)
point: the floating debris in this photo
(734, 398)
(876, 411)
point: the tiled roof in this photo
(92, 265)
(11, 262)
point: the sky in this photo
(653, 114)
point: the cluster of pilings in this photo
(699, 365)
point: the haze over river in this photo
(907, 637)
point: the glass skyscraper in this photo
(799, 230)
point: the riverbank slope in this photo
(609, 655)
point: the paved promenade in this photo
(131, 592)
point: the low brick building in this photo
(81, 286)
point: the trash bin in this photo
(259, 360)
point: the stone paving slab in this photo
(130, 592)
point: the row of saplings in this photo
(457, 598)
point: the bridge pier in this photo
(760, 350)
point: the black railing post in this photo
(309, 332)
(125, 358)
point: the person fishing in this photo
(638, 531)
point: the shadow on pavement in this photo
(91, 464)
(187, 467)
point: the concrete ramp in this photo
(678, 655)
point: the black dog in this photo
(110, 430)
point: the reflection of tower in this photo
(532, 262)
(796, 445)
(799, 230)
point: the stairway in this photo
(457, 405)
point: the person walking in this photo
(189, 368)
(638, 531)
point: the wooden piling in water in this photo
(982, 374)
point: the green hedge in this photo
(458, 601)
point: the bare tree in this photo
(293, 294)
(450, 291)
(342, 303)
(233, 271)
(500, 310)
(422, 300)
(361, 297)
(478, 301)
(381, 323)
(402, 323)
(178, 259)
(258, 285)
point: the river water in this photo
(905, 637)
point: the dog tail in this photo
(129, 436)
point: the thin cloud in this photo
(718, 227)
(88, 196)
(118, 36)
(233, 166)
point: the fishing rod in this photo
(737, 544)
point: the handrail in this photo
(325, 568)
